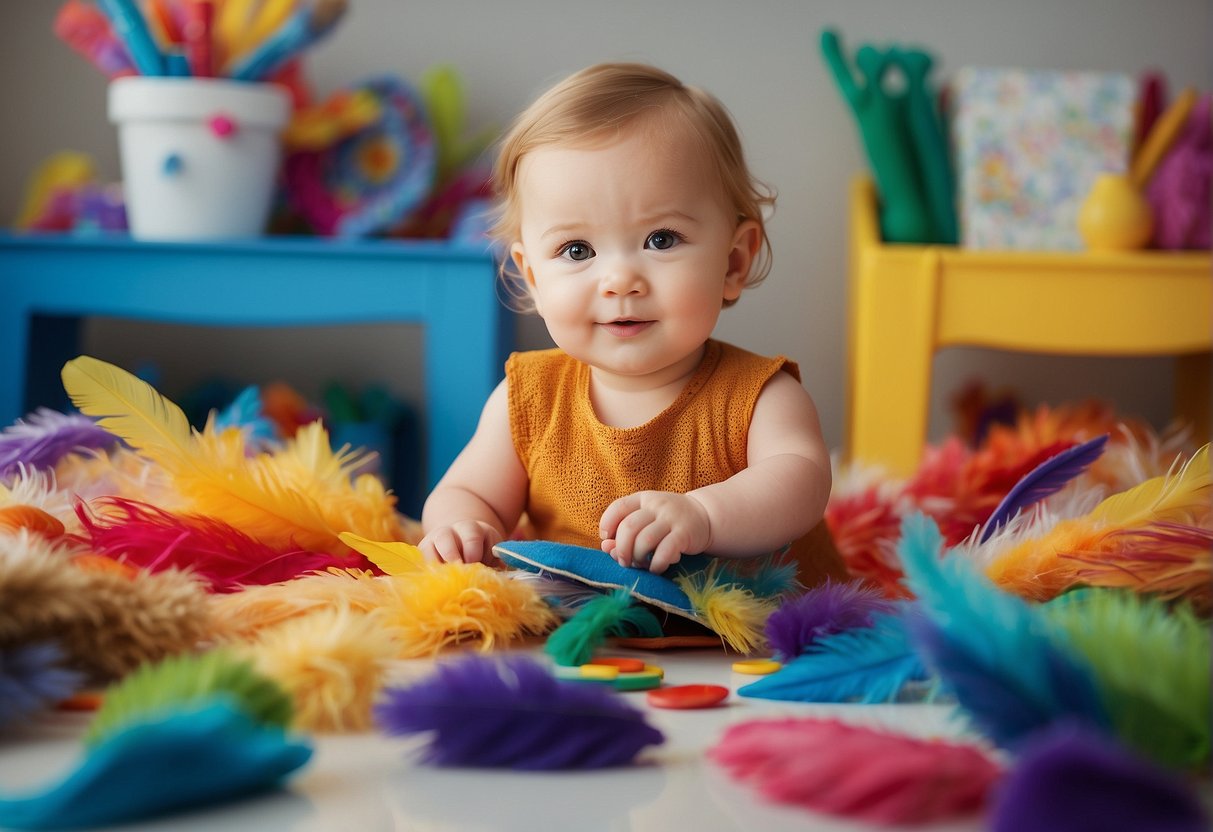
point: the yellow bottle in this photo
(1115, 216)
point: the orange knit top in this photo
(578, 466)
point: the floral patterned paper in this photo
(1029, 146)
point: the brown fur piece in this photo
(106, 622)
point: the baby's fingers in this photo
(608, 524)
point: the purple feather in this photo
(31, 678)
(1045, 479)
(825, 609)
(1067, 779)
(46, 436)
(514, 714)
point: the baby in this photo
(632, 220)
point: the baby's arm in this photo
(480, 498)
(779, 496)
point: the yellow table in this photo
(908, 301)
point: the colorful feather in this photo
(300, 496)
(163, 687)
(868, 664)
(106, 623)
(128, 408)
(831, 767)
(514, 714)
(1010, 672)
(332, 664)
(397, 558)
(437, 607)
(227, 559)
(828, 608)
(1043, 567)
(1068, 779)
(613, 613)
(190, 757)
(45, 437)
(733, 612)
(245, 412)
(32, 677)
(1166, 560)
(1151, 662)
(770, 576)
(1045, 479)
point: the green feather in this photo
(1151, 663)
(156, 689)
(574, 642)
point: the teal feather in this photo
(614, 613)
(863, 664)
(1010, 670)
(771, 576)
(1152, 665)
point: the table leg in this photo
(893, 346)
(1193, 386)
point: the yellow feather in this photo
(736, 614)
(128, 407)
(332, 662)
(1169, 497)
(1042, 568)
(392, 558)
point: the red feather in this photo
(831, 767)
(151, 538)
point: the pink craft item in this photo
(1179, 193)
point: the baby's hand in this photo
(654, 526)
(469, 541)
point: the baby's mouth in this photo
(626, 327)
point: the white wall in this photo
(759, 56)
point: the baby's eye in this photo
(576, 251)
(662, 240)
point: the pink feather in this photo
(154, 539)
(835, 768)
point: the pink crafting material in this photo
(1179, 192)
(222, 126)
(832, 767)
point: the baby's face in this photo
(629, 250)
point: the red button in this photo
(688, 696)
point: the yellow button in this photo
(756, 667)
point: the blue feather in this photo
(247, 412)
(32, 677)
(1010, 670)
(864, 664)
(514, 714)
(1047, 478)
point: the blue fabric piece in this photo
(597, 568)
(188, 758)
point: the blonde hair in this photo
(599, 101)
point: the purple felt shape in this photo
(1071, 780)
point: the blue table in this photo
(50, 283)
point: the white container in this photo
(199, 155)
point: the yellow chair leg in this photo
(894, 342)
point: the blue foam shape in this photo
(183, 759)
(597, 568)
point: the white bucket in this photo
(199, 155)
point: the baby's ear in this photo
(523, 266)
(747, 239)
